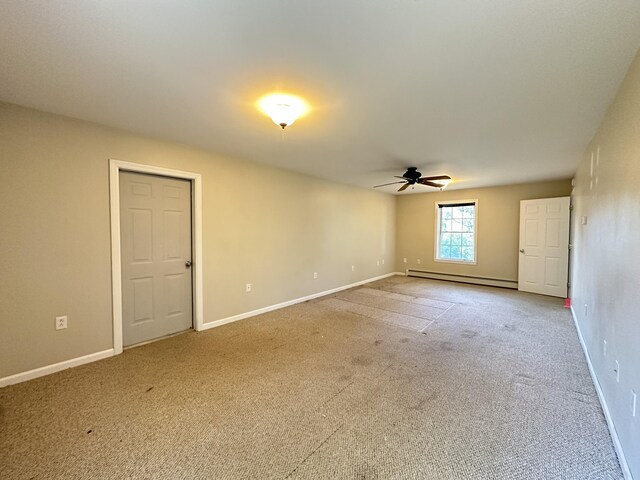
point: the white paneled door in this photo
(544, 246)
(155, 229)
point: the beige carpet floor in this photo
(404, 378)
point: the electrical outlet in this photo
(617, 371)
(419, 261)
(353, 268)
(634, 399)
(248, 288)
(61, 322)
(378, 263)
(404, 260)
(604, 348)
(383, 261)
(315, 275)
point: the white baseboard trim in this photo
(612, 429)
(490, 282)
(271, 308)
(56, 367)
(400, 273)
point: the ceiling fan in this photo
(412, 176)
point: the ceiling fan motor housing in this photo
(412, 174)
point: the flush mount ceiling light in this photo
(283, 108)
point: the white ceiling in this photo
(489, 92)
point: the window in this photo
(456, 231)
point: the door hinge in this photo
(570, 247)
(571, 207)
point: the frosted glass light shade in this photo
(282, 108)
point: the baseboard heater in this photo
(492, 282)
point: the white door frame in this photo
(115, 166)
(540, 287)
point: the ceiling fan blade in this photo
(385, 184)
(404, 178)
(430, 183)
(437, 177)
(404, 187)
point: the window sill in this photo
(459, 262)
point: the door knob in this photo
(187, 264)
(522, 250)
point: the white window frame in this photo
(436, 253)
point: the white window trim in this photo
(475, 233)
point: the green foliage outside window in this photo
(457, 224)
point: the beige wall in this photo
(606, 276)
(261, 225)
(498, 215)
